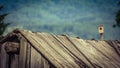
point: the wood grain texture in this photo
(43, 50)
(73, 52)
(22, 58)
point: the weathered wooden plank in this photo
(41, 48)
(67, 59)
(45, 63)
(49, 50)
(87, 50)
(37, 61)
(57, 51)
(111, 44)
(115, 45)
(106, 53)
(111, 51)
(22, 57)
(70, 49)
(112, 54)
(12, 47)
(4, 57)
(81, 59)
(72, 41)
(14, 61)
(28, 56)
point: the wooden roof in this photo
(64, 51)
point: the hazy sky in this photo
(87, 13)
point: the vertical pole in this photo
(101, 36)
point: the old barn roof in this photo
(63, 51)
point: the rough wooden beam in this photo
(12, 47)
(22, 58)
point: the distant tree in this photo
(117, 18)
(3, 25)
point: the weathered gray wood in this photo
(12, 47)
(22, 57)
(88, 51)
(45, 63)
(4, 61)
(46, 50)
(14, 61)
(28, 56)
(116, 46)
(101, 51)
(59, 50)
(41, 48)
(37, 60)
(73, 52)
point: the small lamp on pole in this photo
(101, 31)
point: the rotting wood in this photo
(22, 58)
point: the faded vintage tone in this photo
(26, 49)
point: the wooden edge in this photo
(22, 56)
